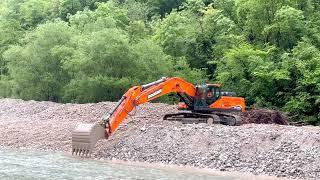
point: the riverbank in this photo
(283, 151)
(35, 164)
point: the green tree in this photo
(288, 28)
(29, 13)
(10, 32)
(35, 65)
(182, 69)
(303, 96)
(221, 31)
(71, 7)
(175, 32)
(163, 7)
(110, 9)
(266, 50)
(148, 57)
(137, 11)
(107, 56)
(241, 71)
(254, 15)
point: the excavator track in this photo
(215, 118)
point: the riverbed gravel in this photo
(264, 149)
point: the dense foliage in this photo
(93, 50)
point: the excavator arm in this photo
(141, 94)
(85, 136)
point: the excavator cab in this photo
(209, 98)
(206, 94)
(213, 92)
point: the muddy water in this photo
(26, 164)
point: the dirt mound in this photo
(264, 116)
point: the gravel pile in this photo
(265, 149)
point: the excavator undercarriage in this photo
(216, 118)
(200, 104)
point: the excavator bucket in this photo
(85, 136)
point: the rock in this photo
(284, 151)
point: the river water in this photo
(26, 164)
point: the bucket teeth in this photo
(84, 137)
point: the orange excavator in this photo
(205, 102)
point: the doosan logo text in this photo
(154, 94)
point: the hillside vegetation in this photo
(93, 50)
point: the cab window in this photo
(215, 92)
